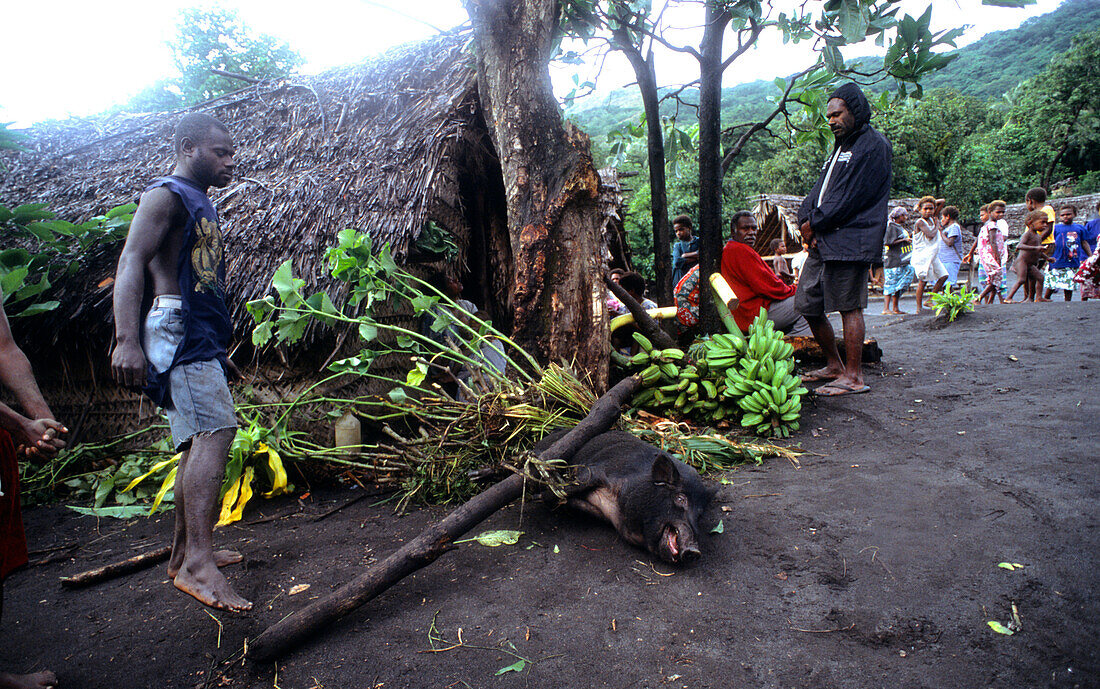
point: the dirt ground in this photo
(873, 563)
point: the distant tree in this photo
(214, 38)
(799, 103)
(1061, 107)
(926, 136)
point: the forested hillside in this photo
(1017, 109)
(988, 69)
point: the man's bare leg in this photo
(198, 573)
(854, 330)
(826, 338)
(920, 295)
(179, 534)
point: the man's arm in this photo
(40, 432)
(150, 227)
(864, 184)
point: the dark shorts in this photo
(827, 286)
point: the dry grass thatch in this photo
(365, 146)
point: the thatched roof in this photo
(361, 146)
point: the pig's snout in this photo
(690, 555)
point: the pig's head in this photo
(677, 498)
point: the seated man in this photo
(755, 283)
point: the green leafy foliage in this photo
(216, 38)
(213, 37)
(954, 303)
(55, 248)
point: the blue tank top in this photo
(207, 327)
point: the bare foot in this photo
(38, 680)
(221, 559)
(821, 374)
(209, 586)
(1010, 301)
(1042, 299)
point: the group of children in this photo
(1061, 247)
(932, 252)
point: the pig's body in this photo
(652, 499)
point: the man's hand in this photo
(807, 233)
(41, 437)
(232, 373)
(128, 365)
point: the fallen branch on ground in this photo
(117, 569)
(433, 541)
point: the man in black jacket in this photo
(843, 220)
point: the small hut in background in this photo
(394, 146)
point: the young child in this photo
(951, 243)
(799, 260)
(1028, 253)
(779, 263)
(970, 258)
(1036, 200)
(992, 251)
(925, 258)
(1071, 247)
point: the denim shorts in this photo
(198, 393)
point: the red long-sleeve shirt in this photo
(755, 284)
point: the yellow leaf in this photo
(156, 467)
(999, 628)
(229, 500)
(245, 484)
(167, 485)
(278, 472)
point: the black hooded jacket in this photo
(850, 221)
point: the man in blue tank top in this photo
(176, 350)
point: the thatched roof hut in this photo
(384, 146)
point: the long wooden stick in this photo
(433, 541)
(645, 323)
(117, 569)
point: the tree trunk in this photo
(551, 186)
(710, 156)
(655, 147)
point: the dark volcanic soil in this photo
(872, 564)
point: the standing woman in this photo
(899, 270)
(926, 248)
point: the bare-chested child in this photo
(1028, 253)
(779, 263)
(176, 352)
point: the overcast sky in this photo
(66, 58)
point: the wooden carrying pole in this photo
(433, 541)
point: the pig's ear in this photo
(665, 472)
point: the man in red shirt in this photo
(755, 283)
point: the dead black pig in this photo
(652, 499)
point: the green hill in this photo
(986, 69)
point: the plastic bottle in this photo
(349, 432)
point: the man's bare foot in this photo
(1042, 299)
(209, 586)
(821, 374)
(221, 559)
(38, 680)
